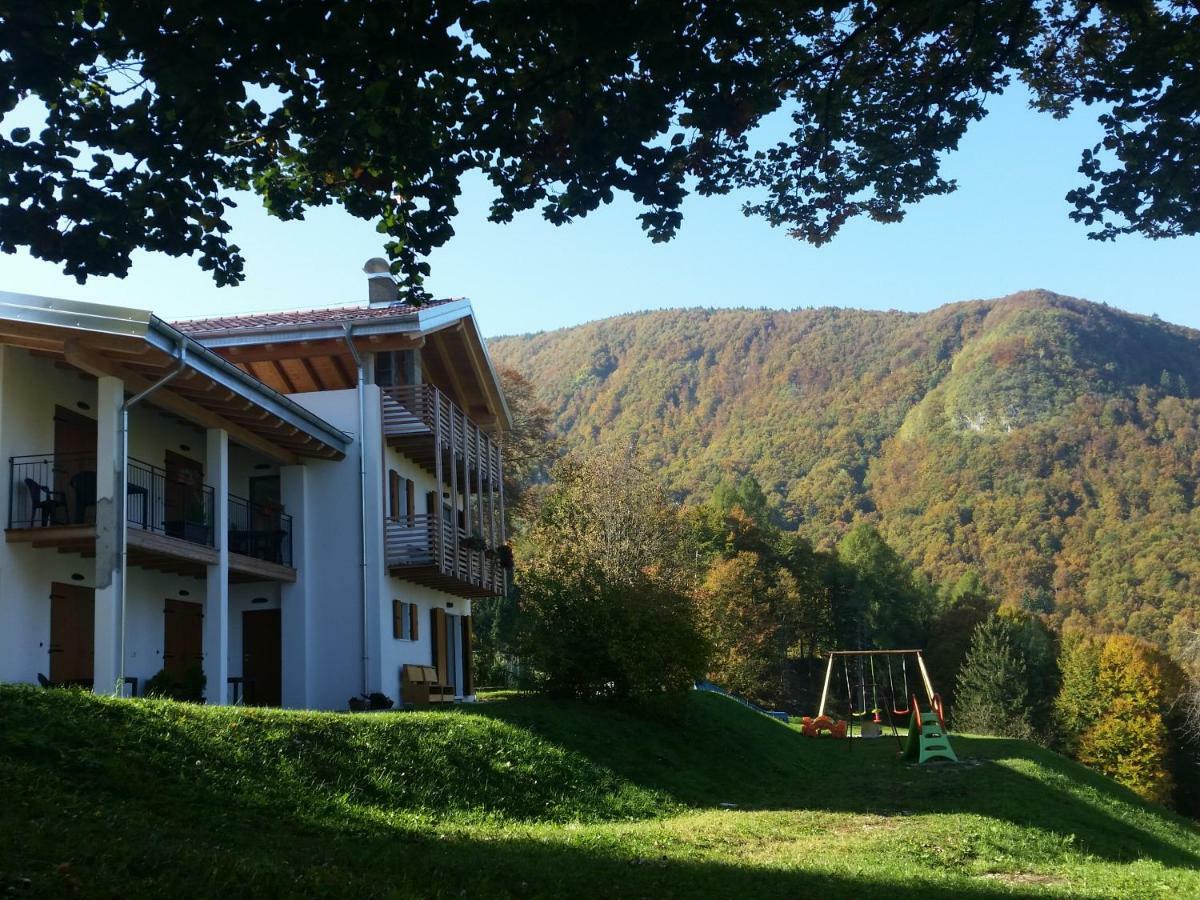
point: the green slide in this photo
(927, 739)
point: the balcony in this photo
(434, 553)
(422, 422)
(262, 532)
(170, 521)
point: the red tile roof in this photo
(299, 317)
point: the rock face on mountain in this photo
(1049, 443)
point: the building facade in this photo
(286, 509)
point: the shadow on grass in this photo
(832, 776)
(212, 844)
(248, 802)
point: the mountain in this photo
(1049, 443)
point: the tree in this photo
(745, 607)
(891, 605)
(993, 697)
(1079, 702)
(966, 604)
(1113, 709)
(529, 445)
(152, 114)
(604, 579)
(1138, 686)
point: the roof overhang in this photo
(296, 357)
(138, 347)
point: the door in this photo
(183, 502)
(266, 507)
(72, 633)
(262, 657)
(183, 636)
(75, 463)
(439, 641)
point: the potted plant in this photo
(474, 542)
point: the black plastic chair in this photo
(45, 501)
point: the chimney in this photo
(382, 289)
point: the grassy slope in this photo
(528, 798)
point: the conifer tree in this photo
(992, 691)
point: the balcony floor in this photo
(433, 577)
(150, 550)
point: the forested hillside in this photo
(1049, 443)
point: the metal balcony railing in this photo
(177, 508)
(260, 531)
(60, 489)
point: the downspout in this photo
(362, 494)
(123, 497)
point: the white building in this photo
(300, 505)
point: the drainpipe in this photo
(123, 497)
(362, 492)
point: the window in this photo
(394, 493)
(404, 621)
(410, 500)
(385, 369)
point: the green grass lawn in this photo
(523, 797)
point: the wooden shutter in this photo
(394, 494)
(468, 685)
(413, 618)
(410, 495)
(397, 619)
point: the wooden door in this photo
(468, 685)
(439, 638)
(72, 633)
(75, 462)
(184, 490)
(183, 636)
(266, 502)
(262, 657)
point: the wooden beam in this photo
(83, 358)
(343, 371)
(283, 376)
(318, 385)
(452, 374)
(269, 352)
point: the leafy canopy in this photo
(156, 112)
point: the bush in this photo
(188, 686)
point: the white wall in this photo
(396, 652)
(30, 388)
(332, 572)
(25, 582)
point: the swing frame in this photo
(834, 654)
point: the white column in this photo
(110, 483)
(299, 656)
(216, 596)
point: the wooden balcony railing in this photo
(423, 413)
(436, 554)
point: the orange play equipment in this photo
(822, 726)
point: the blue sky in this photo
(1004, 230)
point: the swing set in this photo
(927, 738)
